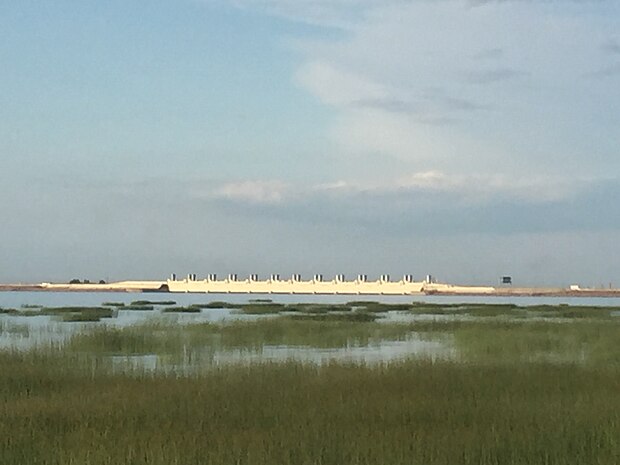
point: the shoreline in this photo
(429, 290)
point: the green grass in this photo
(139, 307)
(139, 303)
(261, 308)
(320, 331)
(514, 391)
(359, 317)
(58, 410)
(189, 309)
(8, 327)
(217, 304)
(73, 314)
(8, 311)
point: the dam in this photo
(338, 285)
(295, 285)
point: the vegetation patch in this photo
(62, 409)
(358, 317)
(189, 309)
(376, 307)
(74, 314)
(512, 392)
(8, 311)
(318, 308)
(217, 304)
(262, 308)
(138, 303)
(139, 307)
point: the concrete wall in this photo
(296, 287)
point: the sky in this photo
(467, 139)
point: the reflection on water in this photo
(27, 332)
(379, 352)
(23, 333)
(18, 332)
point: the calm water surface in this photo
(57, 299)
(22, 333)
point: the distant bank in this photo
(295, 285)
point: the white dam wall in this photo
(296, 286)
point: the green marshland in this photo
(503, 385)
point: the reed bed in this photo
(188, 309)
(153, 302)
(173, 340)
(59, 410)
(515, 391)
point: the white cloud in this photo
(494, 88)
(337, 87)
(469, 189)
(252, 192)
(341, 14)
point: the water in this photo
(23, 333)
(380, 352)
(57, 299)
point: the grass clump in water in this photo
(139, 303)
(565, 311)
(217, 304)
(262, 308)
(357, 317)
(318, 308)
(8, 311)
(321, 331)
(377, 307)
(190, 309)
(74, 314)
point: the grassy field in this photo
(514, 391)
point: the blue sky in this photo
(466, 139)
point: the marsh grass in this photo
(139, 307)
(113, 304)
(320, 331)
(358, 317)
(376, 307)
(565, 311)
(139, 303)
(10, 328)
(190, 309)
(62, 409)
(587, 342)
(217, 304)
(517, 392)
(511, 310)
(8, 311)
(73, 314)
(319, 308)
(262, 308)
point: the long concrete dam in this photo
(295, 285)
